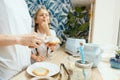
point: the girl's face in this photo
(42, 16)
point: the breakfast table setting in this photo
(61, 66)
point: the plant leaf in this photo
(84, 26)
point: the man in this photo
(15, 24)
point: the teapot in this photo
(93, 53)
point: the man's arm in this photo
(24, 39)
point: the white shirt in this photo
(42, 50)
(14, 19)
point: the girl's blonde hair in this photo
(35, 24)
(35, 16)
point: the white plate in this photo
(53, 69)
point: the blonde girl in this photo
(42, 27)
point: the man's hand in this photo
(31, 40)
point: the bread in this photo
(40, 71)
(52, 43)
(52, 40)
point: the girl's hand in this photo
(45, 28)
(52, 46)
(40, 58)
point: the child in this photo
(42, 21)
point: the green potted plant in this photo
(76, 29)
(77, 24)
(118, 54)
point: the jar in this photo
(82, 71)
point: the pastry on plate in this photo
(40, 71)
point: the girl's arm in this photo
(35, 57)
(45, 28)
